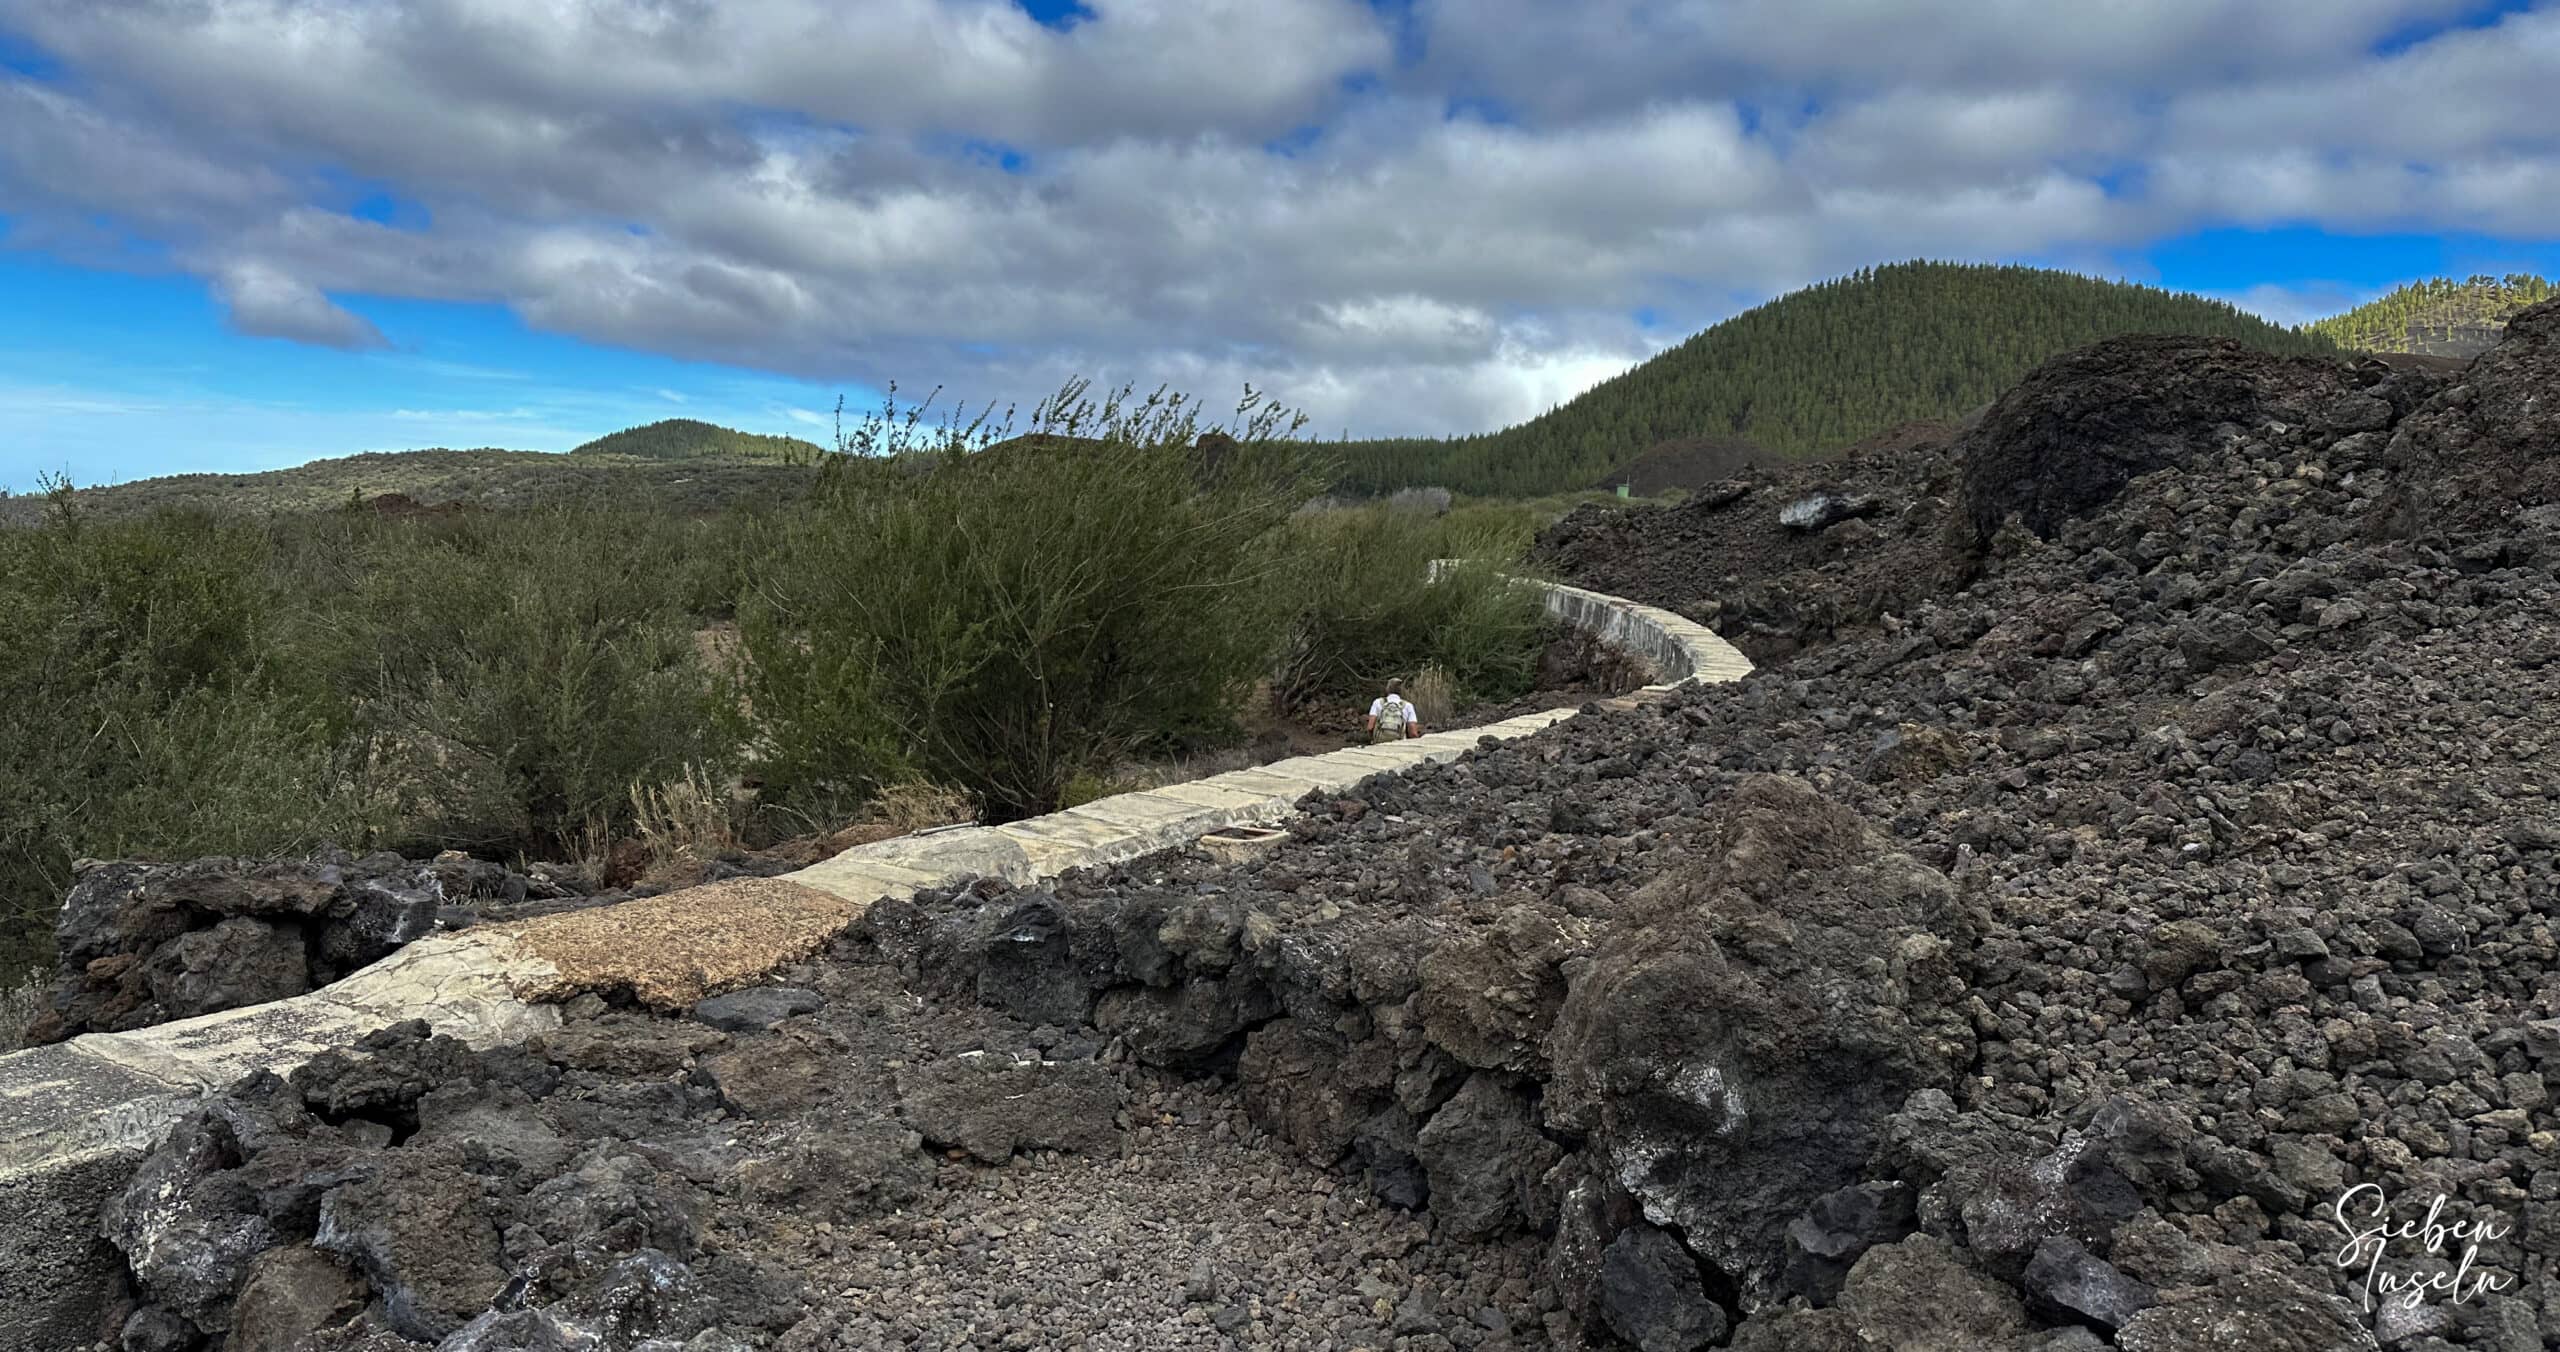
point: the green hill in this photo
(2438, 317)
(484, 478)
(691, 439)
(1815, 370)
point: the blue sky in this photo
(107, 376)
(237, 236)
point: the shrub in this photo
(523, 671)
(913, 805)
(149, 707)
(1434, 694)
(1366, 615)
(1008, 615)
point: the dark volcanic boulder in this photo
(1485, 1160)
(412, 1187)
(1649, 1293)
(2077, 429)
(416, 1228)
(239, 961)
(2487, 445)
(1734, 1053)
(991, 1106)
(139, 944)
(1918, 1294)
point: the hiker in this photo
(1392, 717)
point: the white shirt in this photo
(1378, 708)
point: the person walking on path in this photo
(1391, 716)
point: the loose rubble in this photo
(1780, 557)
(2043, 962)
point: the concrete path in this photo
(77, 1117)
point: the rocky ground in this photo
(2051, 960)
(1867, 542)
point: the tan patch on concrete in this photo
(670, 951)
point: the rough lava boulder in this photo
(1736, 1049)
(2487, 445)
(2070, 435)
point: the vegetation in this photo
(549, 680)
(1020, 614)
(149, 704)
(692, 439)
(1365, 615)
(2439, 315)
(1009, 620)
(1817, 369)
(523, 672)
(485, 478)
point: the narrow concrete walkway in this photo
(77, 1117)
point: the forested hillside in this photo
(691, 439)
(1813, 370)
(2439, 316)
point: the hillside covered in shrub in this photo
(693, 439)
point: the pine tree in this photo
(1814, 370)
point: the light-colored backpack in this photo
(1393, 714)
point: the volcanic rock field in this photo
(2135, 868)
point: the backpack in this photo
(1393, 714)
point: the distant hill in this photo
(691, 439)
(2439, 317)
(484, 478)
(1815, 370)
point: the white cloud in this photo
(780, 186)
(267, 302)
(466, 415)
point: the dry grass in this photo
(1140, 776)
(1435, 694)
(690, 815)
(915, 805)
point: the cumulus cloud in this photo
(266, 302)
(1432, 223)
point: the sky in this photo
(242, 234)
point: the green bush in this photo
(517, 674)
(148, 706)
(1365, 616)
(1019, 617)
(1008, 615)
